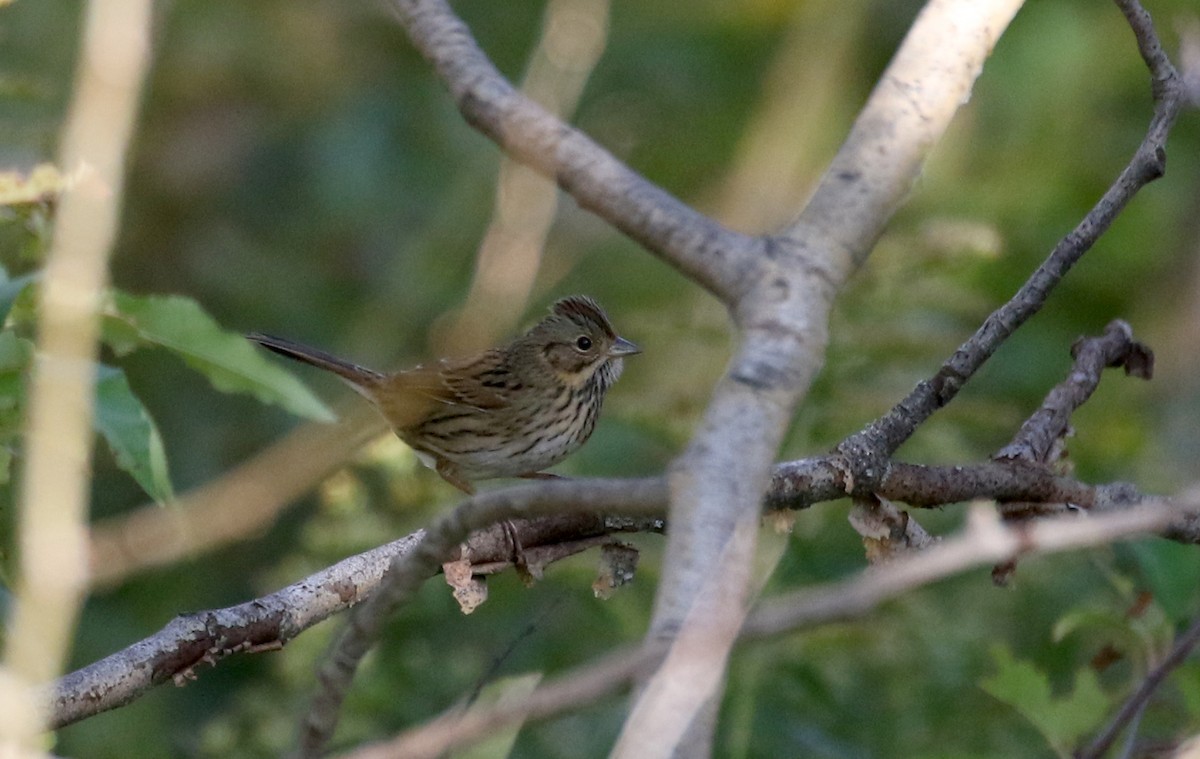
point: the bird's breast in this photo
(522, 439)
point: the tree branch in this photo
(984, 540)
(779, 289)
(1041, 439)
(407, 571)
(51, 524)
(716, 258)
(802, 483)
(205, 638)
(718, 483)
(583, 685)
(883, 436)
(1040, 434)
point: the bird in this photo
(510, 411)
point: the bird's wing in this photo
(410, 397)
(483, 381)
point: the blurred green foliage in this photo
(1064, 721)
(297, 169)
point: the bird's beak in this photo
(622, 347)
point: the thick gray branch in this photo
(718, 483)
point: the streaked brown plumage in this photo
(506, 412)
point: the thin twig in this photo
(1131, 739)
(883, 436)
(984, 541)
(1040, 433)
(583, 685)
(544, 615)
(804, 482)
(1149, 45)
(1040, 441)
(191, 641)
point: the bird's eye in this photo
(583, 343)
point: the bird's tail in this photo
(358, 377)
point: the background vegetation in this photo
(297, 170)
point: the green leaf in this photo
(11, 288)
(1173, 572)
(227, 359)
(16, 353)
(6, 459)
(1187, 680)
(1144, 637)
(130, 432)
(1063, 720)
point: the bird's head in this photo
(578, 343)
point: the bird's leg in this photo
(518, 553)
(450, 474)
(519, 560)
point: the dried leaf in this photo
(1140, 361)
(618, 563)
(529, 572)
(887, 531)
(869, 520)
(782, 521)
(468, 590)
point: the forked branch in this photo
(883, 436)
